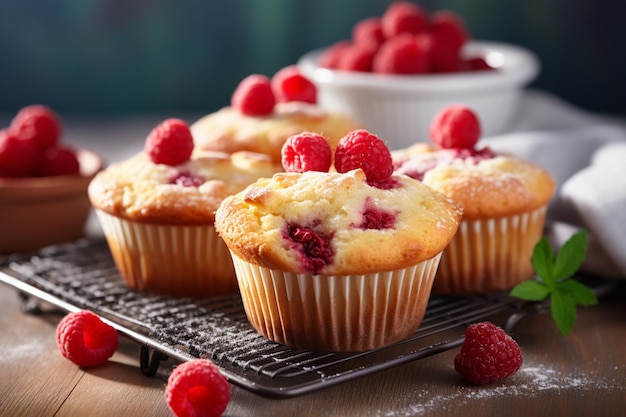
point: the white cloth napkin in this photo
(586, 153)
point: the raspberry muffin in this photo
(337, 261)
(157, 212)
(264, 113)
(504, 201)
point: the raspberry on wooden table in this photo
(85, 339)
(362, 149)
(197, 389)
(169, 143)
(254, 96)
(488, 354)
(289, 84)
(455, 126)
(306, 151)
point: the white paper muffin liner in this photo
(490, 255)
(169, 259)
(338, 313)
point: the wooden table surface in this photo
(581, 375)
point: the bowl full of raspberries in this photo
(399, 69)
(43, 182)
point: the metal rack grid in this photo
(82, 275)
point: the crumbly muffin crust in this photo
(487, 187)
(139, 190)
(227, 130)
(411, 222)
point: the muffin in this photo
(157, 211)
(265, 126)
(504, 201)
(336, 261)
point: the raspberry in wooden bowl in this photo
(43, 183)
(394, 82)
(341, 260)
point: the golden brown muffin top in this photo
(228, 130)
(332, 223)
(488, 185)
(188, 194)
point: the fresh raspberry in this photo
(18, 158)
(404, 17)
(289, 84)
(170, 143)
(357, 58)
(387, 184)
(470, 155)
(368, 33)
(455, 126)
(401, 55)
(415, 169)
(39, 124)
(85, 339)
(330, 57)
(443, 54)
(476, 63)
(361, 149)
(315, 248)
(375, 218)
(306, 152)
(488, 354)
(450, 26)
(185, 179)
(197, 389)
(254, 96)
(59, 160)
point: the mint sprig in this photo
(554, 280)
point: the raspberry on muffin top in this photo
(330, 222)
(487, 184)
(166, 185)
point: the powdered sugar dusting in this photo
(529, 382)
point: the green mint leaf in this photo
(554, 280)
(570, 256)
(543, 261)
(563, 310)
(580, 293)
(530, 290)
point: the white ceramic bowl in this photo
(399, 108)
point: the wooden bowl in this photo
(41, 211)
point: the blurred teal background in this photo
(121, 57)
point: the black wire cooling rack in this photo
(82, 275)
